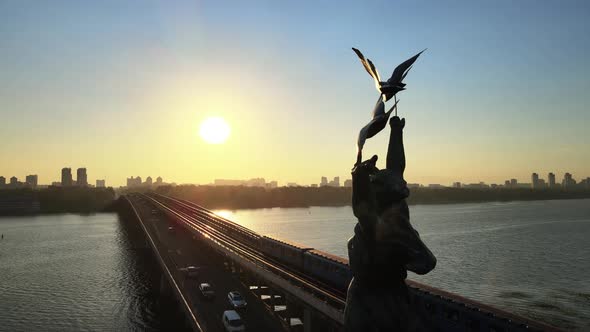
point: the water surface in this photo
(532, 258)
(76, 273)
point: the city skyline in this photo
(123, 89)
(536, 181)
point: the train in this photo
(324, 267)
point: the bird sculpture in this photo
(377, 124)
(394, 84)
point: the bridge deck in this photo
(178, 250)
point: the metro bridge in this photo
(288, 286)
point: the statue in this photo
(385, 245)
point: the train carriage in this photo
(287, 252)
(330, 269)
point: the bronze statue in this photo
(385, 245)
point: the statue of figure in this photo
(384, 246)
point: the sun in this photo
(214, 130)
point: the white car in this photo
(236, 300)
(232, 322)
(206, 290)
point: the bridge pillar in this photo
(272, 300)
(307, 320)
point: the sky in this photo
(120, 87)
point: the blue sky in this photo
(121, 86)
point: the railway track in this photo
(209, 226)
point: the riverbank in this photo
(239, 197)
(55, 200)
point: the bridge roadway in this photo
(179, 249)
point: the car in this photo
(171, 229)
(236, 300)
(192, 271)
(232, 322)
(206, 290)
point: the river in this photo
(77, 273)
(532, 258)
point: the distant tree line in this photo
(55, 200)
(239, 197)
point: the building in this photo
(100, 184)
(148, 181)
(435, 186)
(13, 181)
(480, 185)
(324, 181)
(335, 182)
(513, 183)
(133, 182)
(256, 182)
(225, 182)
(2, 181)
(348, 183)
(456, 184)
(81, 177)
(66, 177)
(159, 181)
(551, 180)
(534, 180)
(272, 184)
(32, 180)
(314, 185)
(568, 181)
(292, 184)
(56, 184)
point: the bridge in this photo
(287, 286)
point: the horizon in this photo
(122, 89)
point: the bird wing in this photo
(400, 72)
(369, 66)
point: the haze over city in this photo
(123, 89)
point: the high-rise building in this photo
(66, 177)
(513, 183)
(81, 177)
(535, 180)
(551, 180)
(148, 181)
(324, 181)
(32, 180)
(13, 181)
(568, 181)
(2, 181)
(507, 183)
(100, 184)
(335, 182)
(159, 180)
(348, 183)
(456, 184)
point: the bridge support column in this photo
(272, 300)
(307, 320)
